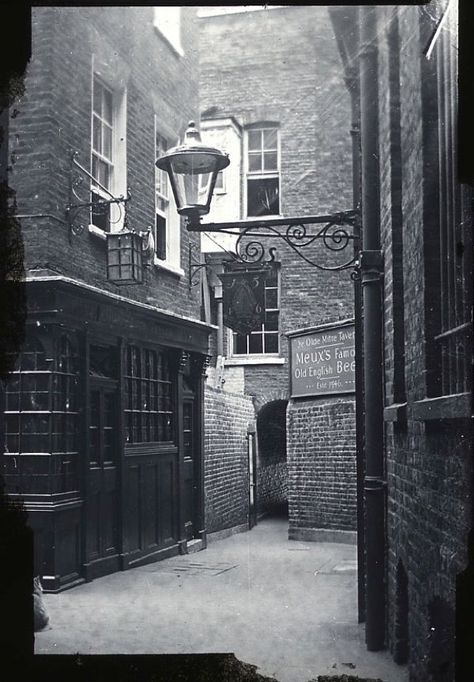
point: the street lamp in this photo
(192, 168)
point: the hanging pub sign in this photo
(243, 298)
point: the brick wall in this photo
(226, 472)
(321, 465)
(272, 487)
(247, 74)
(53, 118)
(296, 80)
(272, 479)
(429, 470)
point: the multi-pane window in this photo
(266, 338)
(41, 421)
(263, 177)
(455, 327)
(102, 151)
(149, 411)
(162, 202)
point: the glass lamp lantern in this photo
(124, 257)
(192, 169)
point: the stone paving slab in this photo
(287, 607)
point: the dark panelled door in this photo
(189, 466)
(102, 493)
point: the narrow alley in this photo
(288, 607)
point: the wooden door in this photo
(102, 485)
(189, 468)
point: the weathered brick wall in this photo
(53, 119)
(272, 487)
(296, 80)
(272, 479)
(248, 74)
(321, 464)
(428, 463)
(226, 471)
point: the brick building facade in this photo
(283, 99)
(104, 411)
(425, 219)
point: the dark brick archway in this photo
(272, 479)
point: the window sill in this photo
(169, 267)
(457, 406)
(97, 232)
(263, 218)
(395, 413)
(236, 361)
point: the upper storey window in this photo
(107, 154)
(167, 232)
(167, 20)
(263, 171)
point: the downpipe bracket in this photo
(372, 484)
(371, 266)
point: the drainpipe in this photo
(346, 28)
(352, 82)
(371, 278)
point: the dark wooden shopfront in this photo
(104, 432)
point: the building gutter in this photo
(371, 278)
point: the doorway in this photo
(272, 477)
(189, 453)
(101, 500)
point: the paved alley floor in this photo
(288, 607)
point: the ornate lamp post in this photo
(193, 167)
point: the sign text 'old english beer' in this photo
(323, 362)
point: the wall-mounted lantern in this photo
(127, 250)
(125, 257)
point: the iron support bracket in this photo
(371, 266)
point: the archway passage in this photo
(272, 477)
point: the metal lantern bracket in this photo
(79, 189)
(337, 232)
(197, 166)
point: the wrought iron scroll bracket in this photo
(194, 267)
(80, 180)
(334, 232)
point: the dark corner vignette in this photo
(16, 539)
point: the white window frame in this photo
(172, 261)
(222, 189)
(263, 354)
(167, 21)
(256, 175)
(117, 161)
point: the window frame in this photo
(271, 332)
(172, 261)
(454, 327)
(144, 389)
(52, 467)
(261, 174)
(117, 160)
